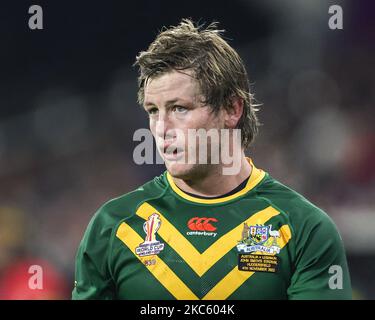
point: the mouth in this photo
(172, 153)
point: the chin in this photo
(181, 170)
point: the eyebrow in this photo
(168, 103)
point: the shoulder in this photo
(124, 206)
(314, 232)
(299, 210)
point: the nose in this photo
(163, 127)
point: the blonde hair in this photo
(216, 66)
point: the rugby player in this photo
(199, 231)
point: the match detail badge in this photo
(258, 248)
(259, 238)
(150, 246)
(258, 263)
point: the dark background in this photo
(68, 112)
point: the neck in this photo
(215, 184)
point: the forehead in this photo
(169, 86)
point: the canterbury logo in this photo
(201, 224)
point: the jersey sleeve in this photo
(92, 276)
(321, 270)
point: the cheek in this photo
(211, 120)
(199, 119)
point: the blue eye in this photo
(179, 109)
(152, 111)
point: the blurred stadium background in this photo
(68, 112)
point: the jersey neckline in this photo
(256, 176)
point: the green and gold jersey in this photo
(263, 242)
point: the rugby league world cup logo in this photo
(150, 246)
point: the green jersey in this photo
(263, 242)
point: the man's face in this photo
(174, 105)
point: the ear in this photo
(234, 113)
